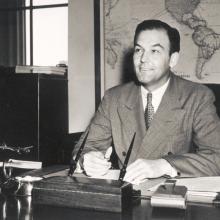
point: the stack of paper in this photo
(201, 189)
(41, 69)
(22, 164)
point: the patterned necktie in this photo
(149, 110)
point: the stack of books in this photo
(41, 69)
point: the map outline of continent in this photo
(199, 36)
(204, 37)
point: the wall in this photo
(81, 64)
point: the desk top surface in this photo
(12, 207)
(21, 207)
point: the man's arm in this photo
(206, 136)
(98, 141)
(204, 162)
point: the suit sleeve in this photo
(205, 161)
(100, 134)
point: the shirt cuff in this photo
(171, 171)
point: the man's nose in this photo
(145, 57)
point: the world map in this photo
(196, 20)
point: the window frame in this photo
(22, 24)
(31, 8)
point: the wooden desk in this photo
(15, 208)
(21, 207)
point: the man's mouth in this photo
(144, 69)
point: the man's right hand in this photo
(95, 164)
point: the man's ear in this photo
(174, 59)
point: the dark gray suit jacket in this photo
(185, 129)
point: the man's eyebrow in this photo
(158, 45)
(154, 45)
(136, 44)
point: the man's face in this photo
(151, 58)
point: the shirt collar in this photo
(156, 95)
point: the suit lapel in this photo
(164, 121)
(131, 114)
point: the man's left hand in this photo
(142, 169)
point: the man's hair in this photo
(173, 33)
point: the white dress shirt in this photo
(156, 95)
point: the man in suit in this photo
(181, 137)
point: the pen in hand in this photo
(123, 169)
(73, 162)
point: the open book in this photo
(22, 164)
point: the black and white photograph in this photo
(109, 109)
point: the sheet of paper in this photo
(149, 186)
(59, 173)
(111, 174)
(203, 184)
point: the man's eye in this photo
(155, 51)
(137, 50)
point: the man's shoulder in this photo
(121, 89)
(187, 86)
(124, 93)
